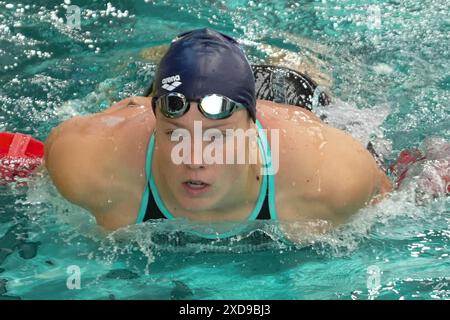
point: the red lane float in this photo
(409, 157)
(20, 154)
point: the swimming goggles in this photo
(213, 106)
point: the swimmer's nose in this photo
(195, 161)
(194, 166)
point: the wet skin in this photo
(98, 162)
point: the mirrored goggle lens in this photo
(215, 105)
(173, 104)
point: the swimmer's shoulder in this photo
(109, 133)
(322, 170)
(72, 159)
(277, 114)
(298, 133)
(97, 161)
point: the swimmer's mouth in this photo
(196, 184)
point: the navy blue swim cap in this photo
(202, 62)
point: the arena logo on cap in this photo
(171, 83)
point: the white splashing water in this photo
(363, 124)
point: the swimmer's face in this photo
(200, 183)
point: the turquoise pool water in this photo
(385, 62)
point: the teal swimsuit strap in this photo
(148, 168)
(268, 179)
(268, 169)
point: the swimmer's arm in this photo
(363, 188)
(351, 180)
(129, 103)
(67, 161)
(383, 187)
(111, 208)
(78, 181)
(356, 182)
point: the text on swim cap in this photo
(171, 79)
